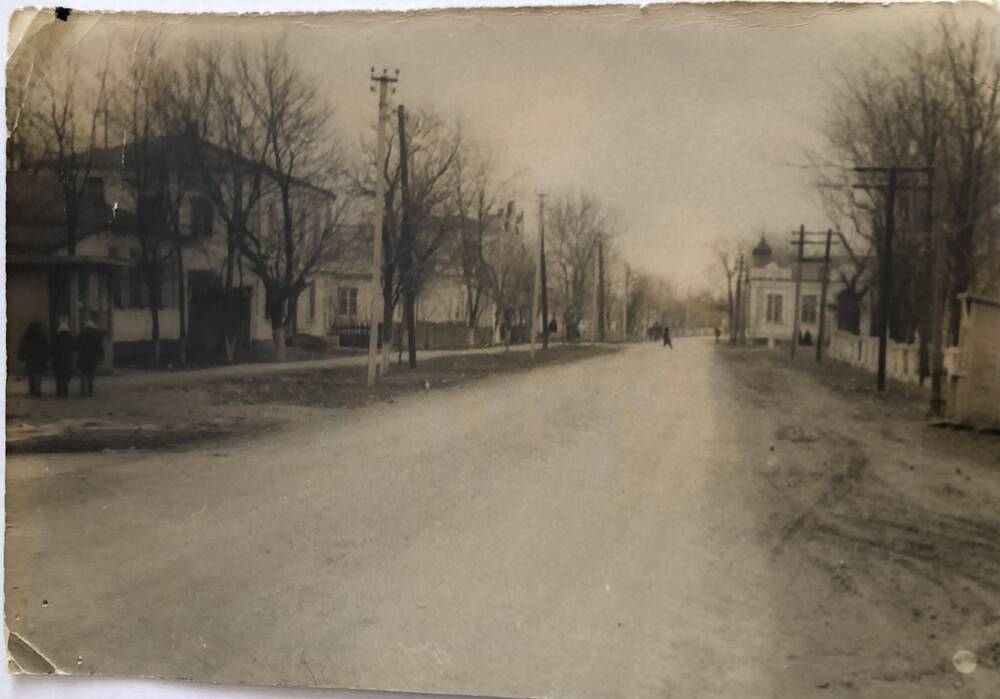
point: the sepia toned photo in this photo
(579, 353)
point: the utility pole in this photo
(541, 266)
(798, 289)
(597, 292)
(625, 307)
(383, 81)
(746, 314)
(409, 302)
(885, 274)
(535, 292)
(602, 313)
(825, 283)
(738, 319)
(890, 190)
(937, 311)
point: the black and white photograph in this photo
(610, 352)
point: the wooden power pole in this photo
(597, 292)
(542, 279)
(800, 258)
(601, 301)
(383, 81)
(890, 190)
(625, 307)
(535, 294)
(825, 283)
(738, 319)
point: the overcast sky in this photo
(689, 122)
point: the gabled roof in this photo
(212, 156)
(36, 214)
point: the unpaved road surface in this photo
(645, 524)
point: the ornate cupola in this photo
(761, 253)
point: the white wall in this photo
(136, 324)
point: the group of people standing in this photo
(66, 354)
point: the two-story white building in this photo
(102, 279)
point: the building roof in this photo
(36, 215)
(211, 156)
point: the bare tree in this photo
(728, 252)
(509, 269)
(25, 117)
(577, 224)
(478, 198)
(302, 228)
(144, 164)
(232, 155)
(414, 232)
(938, 108)
(67, 124)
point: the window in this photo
(347, 302)
(202, 217)
(809, 303)
(774, 308)
(311, 304)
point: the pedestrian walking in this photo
(666, 337)
(90, 355)
(553, 326)
(62, 358)
(718, 334)
(34, 352)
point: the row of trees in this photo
(933, 113)
(936, 106)
(250, 130)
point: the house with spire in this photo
(771, 307)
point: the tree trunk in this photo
(409, 317)
(388, 311)
(292, 321)
(600, 292)
(231, 332)
(155, 312)
(155, 299)
(276, 312)
(74, 301)
(181, 308)
(732, 323)
(278, 336)
(737, 322)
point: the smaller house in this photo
(771, 295)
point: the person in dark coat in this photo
(553, 326)
(666, 337)
(62, 359)
(90, 355)
(34, 352)
(718, 334)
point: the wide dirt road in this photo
(589, 530)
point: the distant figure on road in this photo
(34, 352)
(718, 334)
(90, 355)
(62, 358)
(553, 326)
(666, 337)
